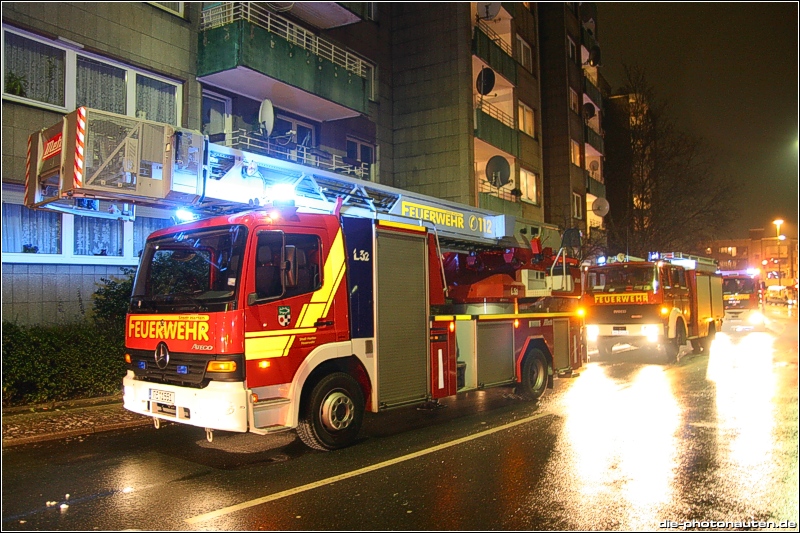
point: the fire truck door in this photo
(402, 318)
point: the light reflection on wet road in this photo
(625, 445)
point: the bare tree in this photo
(660, 181)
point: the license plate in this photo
(162, 396)
(616, 331)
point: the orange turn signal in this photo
(221, 366)
(128, 358)
(665, 310)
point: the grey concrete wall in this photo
(432, 112)
(51, 294)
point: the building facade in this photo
(445, 99)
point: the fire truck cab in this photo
(744, 298)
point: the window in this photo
(573, 50)
(143, 227)
(30, 230)
(216, 119)
(101, 86)
(36, 71)
(301, 252)
(155, 100)
(573, 101)
(575, 152)
(33, 70)
(577, 206)
(529, 184)
(524, 54)
(97, 236)
(527, 122)
(175, 8)
(360, 153)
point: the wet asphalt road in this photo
(624, 446)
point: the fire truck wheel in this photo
(333, 413)
(604, 349)
(534, 375)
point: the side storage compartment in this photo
(402, 337)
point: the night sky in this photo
(729, 73)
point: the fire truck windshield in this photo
(190, 271)
(738, 286)
(621, 278)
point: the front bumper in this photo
(220, 405)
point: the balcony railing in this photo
(494, 112)
(229, 12)
(310, 157)
(499, 41)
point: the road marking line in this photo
(321, 483)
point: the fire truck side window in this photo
(678, 277)
(308, 265)
(286, 265)
(268, 264)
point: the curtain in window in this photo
(155, 100)
(33, 70)
(143, 227)
(29, 230)
(97, 236)
(101, 86)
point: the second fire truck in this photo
(316, 304)
(661, 302)
(743, 294)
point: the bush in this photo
(62, 362)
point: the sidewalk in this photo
(60, 420)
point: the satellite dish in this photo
(594, 166)
(485, 81)
(488, 10)
(600, 207)
(588, 110)
(498, 171)
(266, 117)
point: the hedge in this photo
(64, 362)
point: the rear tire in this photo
(534, 375)
(333, 413)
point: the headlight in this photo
(592, 332)
(756, 318)
(651, 331)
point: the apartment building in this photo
(444, 99)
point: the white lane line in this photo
(321, 483)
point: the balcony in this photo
(591, 90)
(496, 128)
(496, 52)
(246, 49)
(594, 140)
(310, 157)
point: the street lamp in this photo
(778, 223)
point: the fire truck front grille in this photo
(186, 370)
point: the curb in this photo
(8, 443)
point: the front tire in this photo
(333, 413)
(534, 375)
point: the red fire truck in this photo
(743, 295)
(661, 302)
(307, 311)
